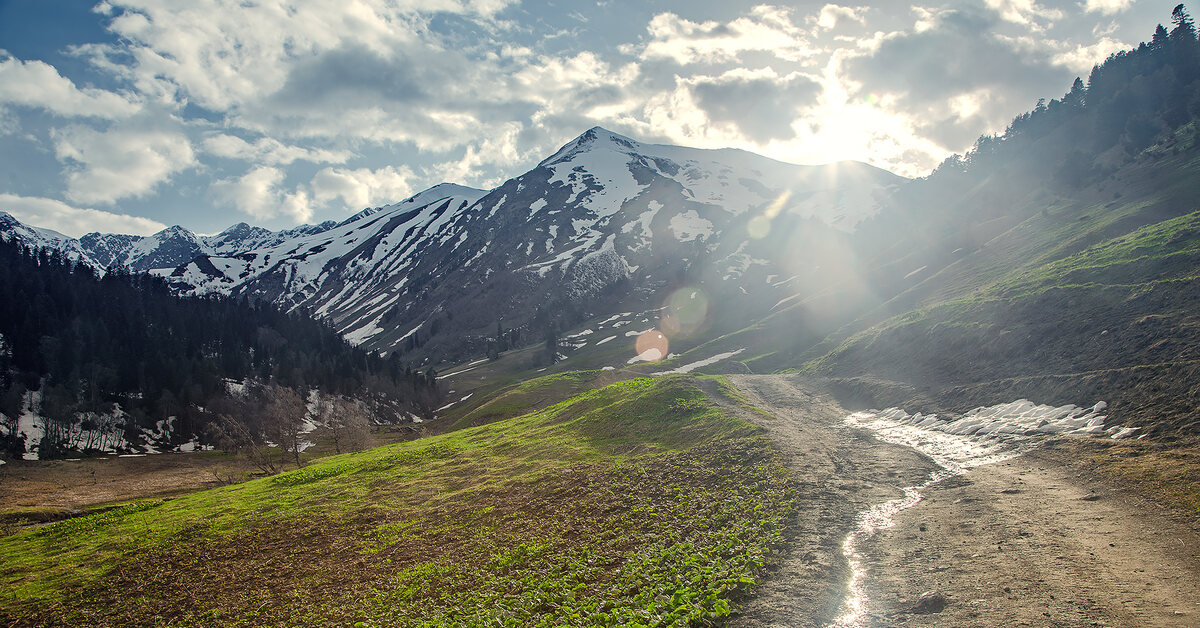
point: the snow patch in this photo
(688, 368)
(653, 354)
(688, 226)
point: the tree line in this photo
(112, 355)
(1130, 101)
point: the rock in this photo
(930, 602)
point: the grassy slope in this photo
(633, 504)
(1090, 299)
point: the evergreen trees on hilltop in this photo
(86, 342)
(1130, 101)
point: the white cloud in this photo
(9, 124)
(73, 221)
(362, 187)
(259, 193)
(223, 54)
(104, 166)
(1081, 58)
(38, 84)
(1025, 12)
(766, 28)
(1107, 7)
(831, 14)
(266, 150)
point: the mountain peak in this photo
(175, 231)
(442, 190)
(240, 227)
(595, 138)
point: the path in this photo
(1025, 542)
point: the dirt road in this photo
(1026, 542)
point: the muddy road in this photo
(1021, 542)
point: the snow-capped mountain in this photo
(12, 229)
(352, 273)
(166, 249)
(603, 213)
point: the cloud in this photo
(957, 75)
(259, 193)
(362, 187)
(51, 214)
(220, 54)
(1107, 7)
(104, 166)
(1081, 58)
(266, 150)
(761, 104)
(38, 84)
(766, 28)
(1024, 12)
(831, 14)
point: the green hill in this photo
(637, 503)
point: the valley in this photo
(623, 382)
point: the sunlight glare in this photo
(685, 312)
(760, 226)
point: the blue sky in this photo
(130, 115)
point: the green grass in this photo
(1165, 251)
(531, 395)
(634, 504)
(1112, 270)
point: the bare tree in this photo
(232, 434)
(346, 422)
(283, 416)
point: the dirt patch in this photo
(1031, 542)
(71, 485)
(839, 472)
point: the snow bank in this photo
(1022, 417)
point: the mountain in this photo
(166, 249)
(118, 363)
(440, 271)
(604, 216)
(12, 230)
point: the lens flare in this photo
(760, 226)
(685, 312)
(651, 346)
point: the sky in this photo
(128, 116)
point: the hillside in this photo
(639, 502)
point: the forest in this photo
(1131, 100)
(108, 358)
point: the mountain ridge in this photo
(602, 211)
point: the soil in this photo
(70, 485)
(1032, 541)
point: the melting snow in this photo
(689, 225)
(982, 436)
(688, 368)
(653, 354)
